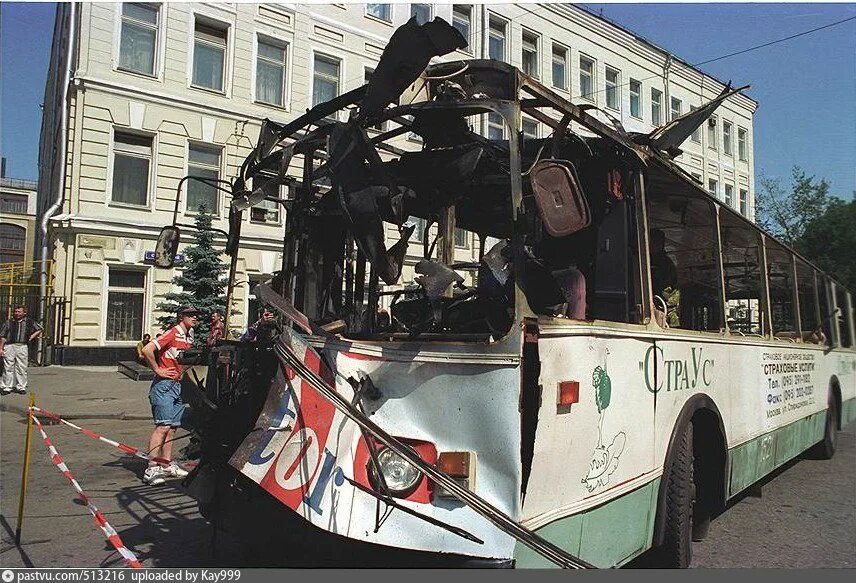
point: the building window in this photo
(560, 67)
(204, 162)
(530, 128)
(270, 73)
(529, 57)
(126, 292)
(711, 133)
(380, 11)
(586, 78)
(676, 107)
(209, 56)
(138, 46)
(729, 195)
(613, 80)
(419, 231)
(14, 204)
(462, 20)
(636, 98)
(462, 239)
(495, 127)
(726, 138)
(13, 242)
(712, 188)
(741, 144)
(422, 12)
(325, 79)
(132, 157)
(267, 211)
(496, 39)
(656, 107)
(696, 135)
(744, 202)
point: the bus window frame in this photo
(794, 293)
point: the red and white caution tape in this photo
(102, 523)
(88, 432)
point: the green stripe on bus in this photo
(754, 459)
(606, 536)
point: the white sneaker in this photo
(154, 476)
(175, 470)
(21, 391)
(5, 391)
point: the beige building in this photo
(158, 91)
(17, 222)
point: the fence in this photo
(19, 285)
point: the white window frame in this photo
(744, 155)
(714, 192)
(680, 111)
(111, 165)
(713, 122)
(728, 192)
(607, 70)
(211, 21)
(286, 91)
(659, 121)
(532, 120)
(491, 18)
(470, 50)
(743, 200)
(696, 135)
(567, 52)
(105, 301)
(367, 14)
(220, 174)
(326, 55)
(160, 43)
(532, 36)
(641, 101)
(728, 140)
(592, 95)
(488, 123)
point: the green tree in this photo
(786, 212)
(201, 280)
(829, 240)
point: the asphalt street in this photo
(805, 517)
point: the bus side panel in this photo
(596, 452)
(846, 373)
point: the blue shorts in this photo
(167, 406)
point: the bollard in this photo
(26, 470)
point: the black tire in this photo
(676, 550)
(826, 448)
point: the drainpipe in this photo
(63, 152)
(667, 94)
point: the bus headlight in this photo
(400, 476)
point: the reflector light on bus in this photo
(569, 393)
(460, 465)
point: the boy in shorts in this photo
(162, 355)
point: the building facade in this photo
(159, 91)
(17, 221)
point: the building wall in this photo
(93, 234)
(26, 220)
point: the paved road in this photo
(806, 516)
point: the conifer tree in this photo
(201, 280)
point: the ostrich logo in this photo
(604, 459)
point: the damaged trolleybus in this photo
(626, 355)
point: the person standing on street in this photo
(162, 356)
(15, 337)
(218, 329)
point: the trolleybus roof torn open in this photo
(429, 431)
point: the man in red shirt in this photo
(162, 355)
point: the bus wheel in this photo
(676, 551)
(826, 448)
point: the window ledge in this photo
(151, 77)
(637, 117)
(284, 108)
(376, 19)
(129, 205)
(220, 92)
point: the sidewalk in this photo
(161, 525)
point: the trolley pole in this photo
(26, 470)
